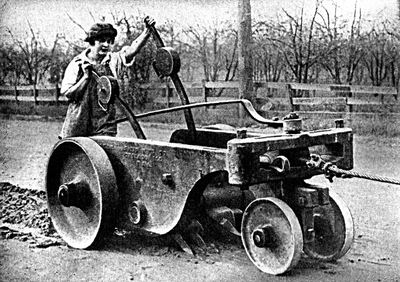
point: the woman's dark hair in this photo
(101, 30)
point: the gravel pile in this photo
(21, 209)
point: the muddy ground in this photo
(29, 251)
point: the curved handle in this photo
(245, 103)
(178, 86)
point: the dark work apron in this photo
(86, 117)
(101, 116)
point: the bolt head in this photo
(167, 179)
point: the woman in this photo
(85, 115)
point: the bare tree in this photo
(268, 60)
(6, 65)
(36, 58)
(298, 43)
(378, 57)
(230, 56)
(11, 65)
(199, 46)
(215, 49)
(392, 50)
(346, 48)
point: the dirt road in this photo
(375, 255)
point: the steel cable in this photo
(336, 170)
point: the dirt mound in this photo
(24, 216)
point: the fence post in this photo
(349, 106)
(205, 90)
(35, 94)
(291, 94)
(16, 92)
(57, 94)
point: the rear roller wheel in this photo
(81, 192)
(334, 231)
(271, 235)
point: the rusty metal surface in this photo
(81, 161)
(140, 167)
(243, 158)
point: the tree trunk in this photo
(245, 67)
(245, 54)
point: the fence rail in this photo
(344, 89)
(295, 95)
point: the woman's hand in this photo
(87, 69)
(149, 21)
(139, 42)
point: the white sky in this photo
(49, 17)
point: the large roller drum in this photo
(81, 192)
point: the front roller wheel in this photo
(81, 192)
(271, 235)
(334, 231)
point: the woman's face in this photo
(102, 45)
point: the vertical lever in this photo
(179, 88)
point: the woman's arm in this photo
(74, 90)
(139, 42)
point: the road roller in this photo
(254, 185)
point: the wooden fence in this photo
(294, 96)
(42, 93)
